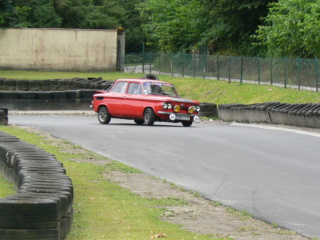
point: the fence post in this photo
(143, 62)
(194, 65)
(218, 70)
(241, 71)
(183, 63)
(229, 69)
(285, 72)
(159, 56)
(299, 72)
(271, 76)
(150, 56)
(259, 79)
(204, 63)
(317, 75)
(171, 63)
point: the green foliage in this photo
(292, 29)
(182, 25)
(174, 25)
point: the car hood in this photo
(172, 99)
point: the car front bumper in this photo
(180, 116)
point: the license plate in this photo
(183, 118)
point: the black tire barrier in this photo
(208, 110)
(50, 94)
(302, 115)
(9, 84)
(45, 85)
(54, 84)
(1, 83)
(34, 85)
(22, 85)
(42, 207)
(26, 95)
(3, 116)
(87, 94)
(9, 95)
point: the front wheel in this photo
(104, 116)
(187, 123)
(149, 117)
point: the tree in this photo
(232, 23)
(182, 25)
(13, 13)
(291, 29)
(173, 25)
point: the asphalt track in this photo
(272, 174)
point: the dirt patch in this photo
(199, 215)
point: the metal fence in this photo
(285, 72)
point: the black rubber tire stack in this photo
(42, 206)
(302, 114)
(208, 110)
(3, 116)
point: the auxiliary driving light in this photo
(196, 119)
(177, 108)
(172, 117)
(191, 109)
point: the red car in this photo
(145, 101)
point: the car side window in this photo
(134, 88)
(120, 87)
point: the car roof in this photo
(140, 80)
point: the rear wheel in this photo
(187, 123)
(149, 117)
(103, 115)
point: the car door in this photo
(132, 100)
(116, 98)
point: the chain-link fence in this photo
(285, 72)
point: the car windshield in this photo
(160, 88)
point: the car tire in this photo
(149, 117)
(139, 121)
(187, 123)
(104, 116)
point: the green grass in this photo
(6, 189)
(203, 90)
(104, 210)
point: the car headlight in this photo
(167, 106)
(176, 108)
(197, 108)
(191, 109)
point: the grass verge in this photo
(104, 210)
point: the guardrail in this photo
(42, 207)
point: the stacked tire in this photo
(302, 115)
(42, 207)
(54, 84)
(3, 116)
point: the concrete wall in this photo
(59, 49)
